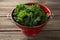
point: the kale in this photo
(29, 15)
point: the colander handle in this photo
(52, 15)
(9, 17)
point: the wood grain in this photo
(11, 36)
(43, 35)
(9, 31)
(5, 9)
(6, 24)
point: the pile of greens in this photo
(29, 15)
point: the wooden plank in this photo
(24, 1)
(5, 9)
(6, 24)
(43, 35)
(8, 10)
(9, 31)
(52, 6)
(13, 4)
(11, 36)
(48, 35)
(16, 0)
(54, 0)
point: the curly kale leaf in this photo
(29, 15)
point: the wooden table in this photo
(9, 31)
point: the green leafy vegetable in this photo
(29, 15)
